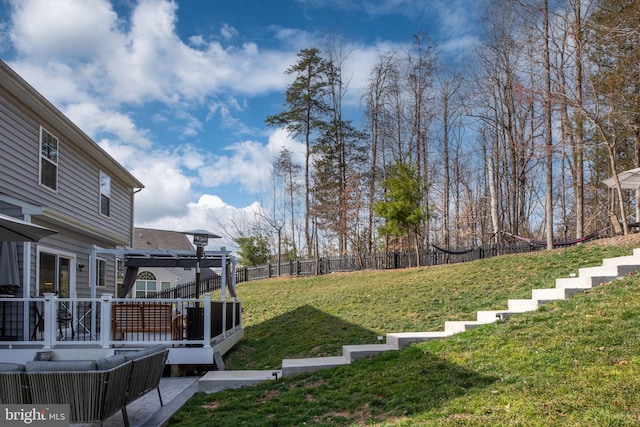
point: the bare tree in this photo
(289, 173)
(505, 102)
(376, 102)
(449, 88)
(613, 107)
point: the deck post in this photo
(49, 322)
(105, 320)
(207, 321)
(223, 278)
(233, 314)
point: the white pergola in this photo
(135, 258)
(629, 180)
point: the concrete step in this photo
(353, 352)
(594, 281)
(460, 325)
(601, 270)
(522, 305)
(215, 381)
(623, 260)
(492, 316)
(624, 269)
(403, 339)
(554, 294)
(574, 282)
(298, 366)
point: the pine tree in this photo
(306, 106)
(401, 205)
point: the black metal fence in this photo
(378, 261)
(189, 289)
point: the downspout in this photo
(131, 219)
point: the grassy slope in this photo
(573, 362)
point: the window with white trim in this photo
(55, 273)
(146, 283)
(120, 268)
(105, 194)
(48, 160)
(101, 272)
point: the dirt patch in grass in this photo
(211, 406)
(359, 418)
(270, 394)
(309, 384)
(629, 239)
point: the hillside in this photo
(572, 362)
(356, 308)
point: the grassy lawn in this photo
(573, 362)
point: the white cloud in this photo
(167, 189)
(247, 165)
(191, 157)
(197, 40)
(122, 153)
(228, 32)
(209, 213)
(91, 119)
(77, 29)
(280, 139)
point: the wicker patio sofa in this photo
(93, 389)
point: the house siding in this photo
(73, 209)
(78, 193)
(80, 247)
(17, 166)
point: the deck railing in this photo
(117, 322)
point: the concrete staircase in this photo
(586, 278)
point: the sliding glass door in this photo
(55, 274)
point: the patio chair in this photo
(65, 318)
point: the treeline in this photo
(519, 139)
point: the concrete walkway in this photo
(147, 412)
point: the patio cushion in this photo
(110, 362)
(11, 367)
(60, 365)
(147, 351)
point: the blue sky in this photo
(177, 91)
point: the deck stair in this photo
(587, 278)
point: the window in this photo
(54, 274)
(120, 268)
(48, 160)
(105, 194)
(146, 284)
(101, 272)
